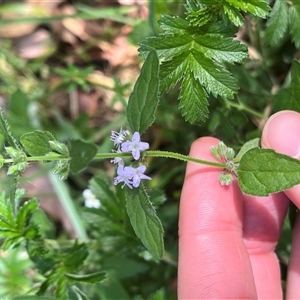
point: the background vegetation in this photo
(68, 67)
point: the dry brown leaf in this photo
(36, 44)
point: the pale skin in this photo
(227, 239)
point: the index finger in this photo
(213, 259)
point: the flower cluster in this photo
(130, 175)
(225, 155)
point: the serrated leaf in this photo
(201, 16)
(81, 154)
(167, 46)
(295, 24)
(5, 131)
(144, 220)
(295, 86)
(6, 213)
(88, 278)
(25, 211)
(233, 15)
(172, 71)
(173, 24)
(215, 79)
(76, 256)
(277, 23)
(259, 8)
(212, 45)
(61, 291)
(246, 147)
(193, 104)
(200, 54)
(203, 73)
(36, 143)
(263, 171)
(221, 49)
(144, 99)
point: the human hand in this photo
(226, 238)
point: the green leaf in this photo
(102, 191)
(254, 143)
(221, 49)
(144, 99)
(208, 11)
(295, 86)
(263, 171)
(157, 196)
(60, 148)
(76, 256)
(81, 154)
(197, 57)
(79, 293)
(25, 211)
(144, 220)
(61, 291)
(259, 8)
(62, 169)
(233, 14)
(36, 143)
(89, 278)
(124, 267)
(173, 24)
(193, 103)
(277, 23)
(295, 24)
(5, 131)
(6, 213)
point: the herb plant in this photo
(197, 57)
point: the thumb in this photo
(282, 133)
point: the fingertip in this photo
(281, 133)
(200, 147)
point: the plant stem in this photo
(184, 158)
(243, 107)
(127, 154)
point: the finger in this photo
(282, 134)
(263, 219)
(293, 278)
(213, 259)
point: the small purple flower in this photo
(137, 174)
(134, 146)
(117, 160)
(119, 137)
(131, 176)
(124, 175)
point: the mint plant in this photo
(195, 54)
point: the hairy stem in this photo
(184, 158)
(151, 153)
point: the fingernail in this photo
(282, 133)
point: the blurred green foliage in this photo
(132, 273)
